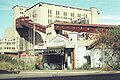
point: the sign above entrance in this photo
(59, 40)
(54, 51)
(39, 47)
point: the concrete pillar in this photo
(66, 63)
(94, 15)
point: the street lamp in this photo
(33, 36)
(34, 16)
(33, 39)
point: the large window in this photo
(79, 15)
(49, 13)
(65, 15)
(49, 21)
(72, 15)
(57, 14)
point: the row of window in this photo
(8, 43)
(11, 43)
(58, 16)
(65, 14)
(50, 21)
(7, 48)
(8, 40)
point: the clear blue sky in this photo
(109, 9)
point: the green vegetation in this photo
(106, 68)
(8, 59)
(11, 63)
(85, 66)
(8, 63)
(111, 40)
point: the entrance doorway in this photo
(53, 62)
(54, 59)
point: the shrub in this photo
(107, 68)
(116, 67)
(11, 63)
(8, 59)
(85, 66)
(8, 63)
(7, 66)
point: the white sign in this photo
(39, 47)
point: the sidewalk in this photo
(70, 72)
(57, 73)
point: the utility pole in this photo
(34, 16)
(33, 39)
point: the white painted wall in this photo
(69, 64)
(80, 52)
(73, 38)
(94, 15)
(95, 58)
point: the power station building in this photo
(45, 13)
(60, 33)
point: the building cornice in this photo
(41, 3)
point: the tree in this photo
(111, 40)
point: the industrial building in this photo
(60, 33)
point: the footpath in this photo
(69, 72)
(55, 73)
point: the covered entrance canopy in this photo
(54, 58)
(56, 45)
(55, 52)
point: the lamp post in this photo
(33, 33)
(34, 16)
(33, 39)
